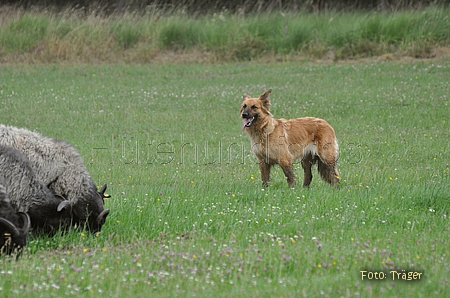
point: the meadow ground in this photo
(188, 214)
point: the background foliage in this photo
(247, 6)
(73, 35)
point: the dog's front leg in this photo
(290, 177)
(265, 172)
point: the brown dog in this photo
(281, 141)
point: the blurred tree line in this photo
(232, 6)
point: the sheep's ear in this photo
(102, 192)
(64, 205)
(101, 218)
(265, 99)
(26, 222)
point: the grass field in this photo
(188, 214)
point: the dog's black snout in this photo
(244, 114)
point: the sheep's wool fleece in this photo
(56, 163)
(25, 191)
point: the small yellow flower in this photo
(417, 257)
(319, 265)
(195, 256)
(390, 178)
(83, 234)
(104, 249)
(85, 250)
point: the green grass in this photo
(44, 36)
(24, 33)
(188, 214)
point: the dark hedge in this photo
(232, 6)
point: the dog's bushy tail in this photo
(327, 163)
(328, 172)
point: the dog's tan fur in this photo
(282, 142)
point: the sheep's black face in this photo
(96, 217)
(14, 244)
(12, 237)
(6, 245)
(91, 215)
(96, 223)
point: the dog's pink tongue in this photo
(244, 122)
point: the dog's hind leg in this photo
(265, 172)
(307, 163)
(290, 177)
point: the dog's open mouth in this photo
(247, 122)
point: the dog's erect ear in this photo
(264, 98)
(245, 96)
(265, 95)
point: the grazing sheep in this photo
(61, 168)
(27, 193)
(14, 226)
